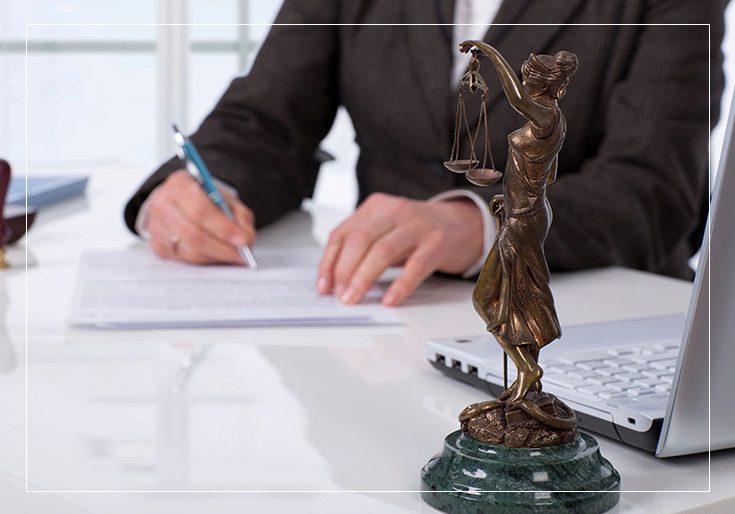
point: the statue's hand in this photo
(465, 46)
(497, 204)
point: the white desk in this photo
(303, 410)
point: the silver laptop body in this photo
(661, 384)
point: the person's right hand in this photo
(185, 225)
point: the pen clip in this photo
(183, 155)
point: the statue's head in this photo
(548, 74)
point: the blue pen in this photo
(188, 153)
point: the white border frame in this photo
(621, 491)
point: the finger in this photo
(420, 264)
(160, 234)
(196, 206)
(377, 206)
(160, 239)
(245, 219)
(361, 236)
(244, 216)
(325, 281)
(195, 244)
(387, 251)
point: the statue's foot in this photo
(508, 392)
(527, 379)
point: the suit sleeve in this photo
(643, 192)
(262, 135)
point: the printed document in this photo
(136, 289)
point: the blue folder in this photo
(45, 190)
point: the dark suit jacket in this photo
(632, 185)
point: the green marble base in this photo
(475, 478)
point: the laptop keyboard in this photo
(626, 374)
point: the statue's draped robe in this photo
(512, 293)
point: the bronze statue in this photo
(492, 463)
(512, 294)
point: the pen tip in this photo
(173, 126)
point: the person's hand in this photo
(390, 230)
(185, 225)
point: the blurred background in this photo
(104, 82)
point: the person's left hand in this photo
(390, 230)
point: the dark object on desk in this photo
(5, 233)
(13, 219)
(18, 219)
(491, 453)
(45, 190)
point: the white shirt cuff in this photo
(141, 221)
(489, 229)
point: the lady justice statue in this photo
(512, 294)
(525, 442)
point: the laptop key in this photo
(618, 362)
(591, 364)
(662, 347)
(658, 357)
(659, 396)
(639, 391)
(636, 368)
(616, 352)
(609, 371)
(564, 381)
(602, 380)
(649, 381)
(662, 374)
(620, 386)
(648, 370)
(586, 357)
(611, 395)
(593, 389)
(630, 376)
(581, 374)
(662, 356)
(663, 364)
(663, 388)
(561, 368)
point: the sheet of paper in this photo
(136, 289)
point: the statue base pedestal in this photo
(469, 476)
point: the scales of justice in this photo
(521, 452)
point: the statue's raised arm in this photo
(520, 99)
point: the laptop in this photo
(661, 384)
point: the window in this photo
(100, 93)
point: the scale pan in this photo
(484, 176)
(461, 165)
